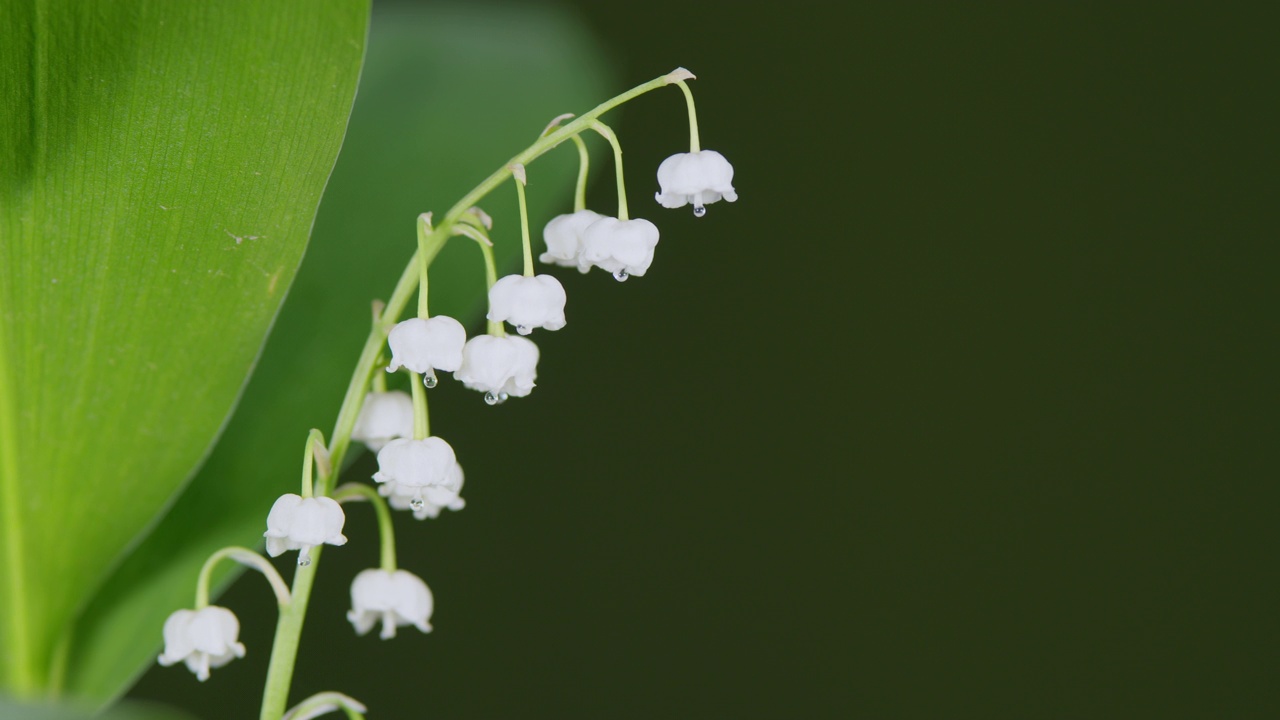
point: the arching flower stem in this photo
(248, 558)
(606, 132)
(316, 452)
(524, 226)
(694, 144)
(284, 650)
(424, 232)
(584, 163)
(352, 492)
(491, 277)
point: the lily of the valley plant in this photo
(418, 471)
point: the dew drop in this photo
(490, 398)
(523, 329)
(417, 503)
(502, 397)
(621, 275)
(304, 560)
(699, 210)
(429, 380)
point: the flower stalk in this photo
(584, 164)
(249, 559)
(430, 241)
(607, 133)
(695, 144)
(354, 492)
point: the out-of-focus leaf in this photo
(448, 94)
(123, 711)
(160, 167)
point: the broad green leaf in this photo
(448, 94)
(123, 711)
(160, 166)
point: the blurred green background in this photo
(966, 408)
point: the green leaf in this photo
(160, 167)
(123, 711)
(439, 109)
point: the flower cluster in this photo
(416, 470)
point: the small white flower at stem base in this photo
(622, 247)
(432, 500)
(563, 235)
(700, 178)
(204, 639)
(528, 302)
(499, 367)
(384, 416)
(410, 467)
(426, 345)
(298, 523)
(394, 598)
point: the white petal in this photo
(408, 463)
(496, 365)
(528, 302)
(424, 345)
(384, 416)
(700, 178)
(617, 245)
(563, 236)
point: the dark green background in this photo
(966, 408)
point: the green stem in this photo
(359, 385)
(421, 421)
(524, 230)
(694, 144)
(424, 232)
(315, 446)
(386, 532)
(549, 141)
(245, 557)
(284, 651)
(379, 378)
(607, 133)
(491, 277)
(584, 163)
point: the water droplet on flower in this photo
(621, 275)
(699, 210)
(304, 560)
(522, 329)
(490, 398)
(502, 397)
(417, 503)
(429, 380)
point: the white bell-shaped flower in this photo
(499, 366)
(204, 639)
(426, 345)
(432, 500)
(622, 247)
(528, 302)
(700, 178)
(394, 598)
(384, 416)
(409, 467)
(298, 523)
(563, 236)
